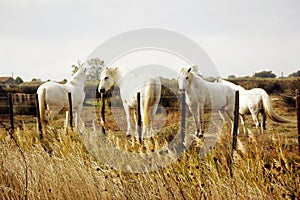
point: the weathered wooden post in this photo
(139, 118)
(103, 112)
(298, 117)
(38, 114)
(234, 131)
(11, 112)
(70, 109)
(235, 120)
(183, 112)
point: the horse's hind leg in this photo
(254, 115)
(264, 118)
(243, 122)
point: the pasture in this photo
(59, 166)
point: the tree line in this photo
(96, 65)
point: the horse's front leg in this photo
(195, 113)
(127, 112)
(77, 117)
(201, 119)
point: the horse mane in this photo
(73, 81)
(232, 85)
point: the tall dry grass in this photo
(60, 167)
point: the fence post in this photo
(234, 131)
(11, 112)
(235, 120)
(102, 112)
(70, 110)
(139, 120)
(183, 112)
(38, 114)
(298, 117)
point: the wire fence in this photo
(20, 108)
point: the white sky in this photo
(42, 39)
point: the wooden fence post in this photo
(70, 110)
(38, 114)
(235, 120)
(102, 112)
(11, 112)
(234, 131)
(298, 117)
(139, 120)
(183, 112)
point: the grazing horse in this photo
(203, 94)
(53, 97)
(255, 101)
(129, 84)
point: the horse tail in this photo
(270, 111)
(42, 105)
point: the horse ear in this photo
(189, 70)
(114, 70)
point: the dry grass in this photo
(265, 166)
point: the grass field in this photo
(60, 166)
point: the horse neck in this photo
(121, 77)
(198, 80)
(75, 82)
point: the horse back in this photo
(56, 95)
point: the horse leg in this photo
(222, 114)
(201, 119)
(77, 120)
(145, 128)
(153, 110)
(194, 112)
(231, 118)
(264, 119)
(127, 112)
(137, 128)
(243, 122)
(254, 115)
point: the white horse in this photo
(202, 94)
(53, 97)
(129, 84)
(255, 101)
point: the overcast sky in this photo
(42, 39)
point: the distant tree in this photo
(18, 80)
(231, 76)
(295, 74)
(265, 74)
(95, 67)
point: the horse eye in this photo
(105, 78)
(187, 78)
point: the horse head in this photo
(107, 79)
(185, 78)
